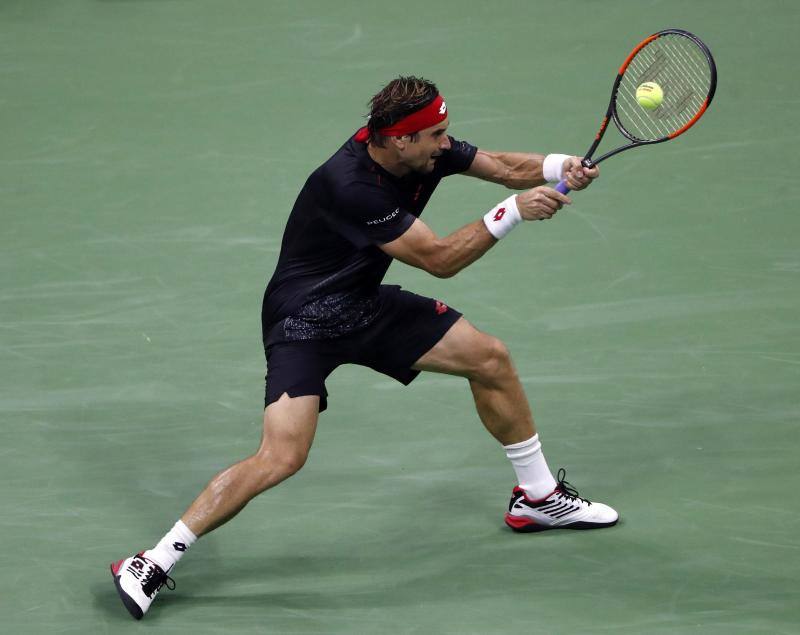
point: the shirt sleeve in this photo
(369, 215)
(457, 159)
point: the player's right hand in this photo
(541, 203)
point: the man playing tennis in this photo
(325, 306)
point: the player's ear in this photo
(400, 143)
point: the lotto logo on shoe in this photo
(498, 215)
(441, 308)
(136, 567)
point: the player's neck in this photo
(384, 158)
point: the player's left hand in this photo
(577, 176)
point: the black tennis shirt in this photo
(330, 267)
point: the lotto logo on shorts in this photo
(441, 307)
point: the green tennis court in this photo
(151, 153)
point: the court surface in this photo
(151, 153)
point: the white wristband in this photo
(503, 217)
(553, 166)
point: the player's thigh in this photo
(290, 424)
(464, 351)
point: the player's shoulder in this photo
(350, 176)
(459, 146)
(457, 158)
(362, 189)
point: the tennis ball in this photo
(649, 95)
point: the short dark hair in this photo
(398, 99)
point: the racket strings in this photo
(680, 80)
(679, 66)
(684, 94)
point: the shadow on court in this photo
(618, 573)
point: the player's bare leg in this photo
(539, 502)
(289, 427)
(485, 361)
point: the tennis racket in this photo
(683, 67)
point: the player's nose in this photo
(445, 144)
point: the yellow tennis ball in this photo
(649, 95)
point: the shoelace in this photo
(566, 490)
(155, 579)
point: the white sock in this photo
(531, 467)
(171, 547)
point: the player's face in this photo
(421, 155)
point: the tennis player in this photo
(325, 306)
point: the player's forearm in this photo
(519, 171)
(460, 249)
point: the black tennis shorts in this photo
(407, 326)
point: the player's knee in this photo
(495, 359)
(273, 467)
(293, 462)
(289, 462)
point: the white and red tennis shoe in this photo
(561, 509)
(138, 581)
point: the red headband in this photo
(432, 114)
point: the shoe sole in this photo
(127, 600)
(525, 526)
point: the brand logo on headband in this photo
(443, 108)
